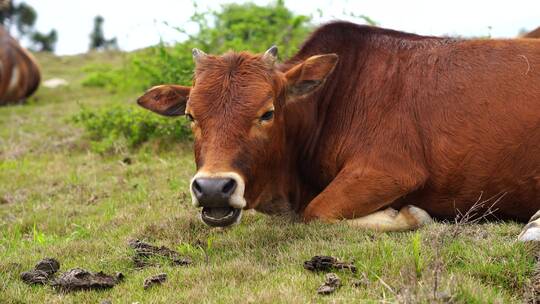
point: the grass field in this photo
(58, 199)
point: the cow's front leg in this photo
(531, 231)
(357, 195)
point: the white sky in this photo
(138, 23)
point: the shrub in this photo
(108, 126)
(100, 75)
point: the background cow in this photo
(19, 72)
(364, 121)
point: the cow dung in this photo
(35, 276)
(143, 251)
(48, 265)
(154, 280)
(42, 272)
(80, 279)
(327, 263)
(331, 284)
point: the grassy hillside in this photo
(58, 199)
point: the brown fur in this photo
(402, 119)
(15, 59)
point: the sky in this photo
(138, 23)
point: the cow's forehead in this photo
(234, 80)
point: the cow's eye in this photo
(267, 116)
(190, 117)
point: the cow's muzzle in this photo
(221, 196)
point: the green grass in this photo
(67, 202)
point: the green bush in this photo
(235, 27)
(131, 126)
(100, 75)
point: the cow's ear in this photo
(306, 77)
(167, 100)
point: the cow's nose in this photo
(213, 192)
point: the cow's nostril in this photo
(229, 187)
(196, 188)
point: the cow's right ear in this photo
(167, 100)
(308, 76)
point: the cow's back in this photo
(19, 73)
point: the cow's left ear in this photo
(306, 77)
(167, 100)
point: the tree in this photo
(44, 42)
(6, 11)
(23, 17)
(97, 37)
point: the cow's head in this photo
(236, 107)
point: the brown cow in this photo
(399, 119)
(19, 72)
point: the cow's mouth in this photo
(220, 216)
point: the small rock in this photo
(331, 284)
(106, 302)
(154, 280)
(54, 83)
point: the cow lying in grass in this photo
(362, 122)
(19, 72)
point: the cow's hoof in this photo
(420, 216)
(531, 232)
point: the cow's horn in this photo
(198, 54)
(270, 55)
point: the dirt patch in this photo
(155, 280)
(42, 272)
(80, 279)
(331, 283)
(145, 251)
(327, 263)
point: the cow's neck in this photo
(301, 133)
